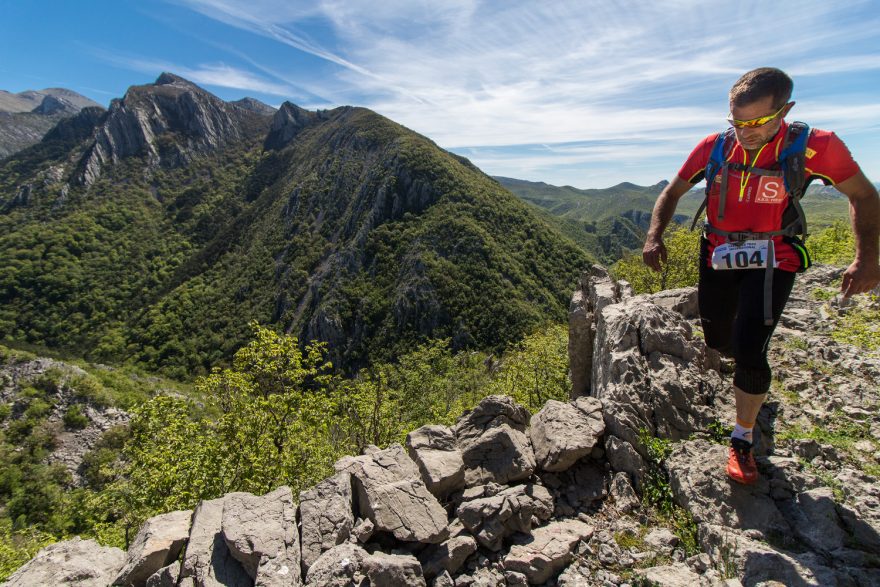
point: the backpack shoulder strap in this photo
(717, 157)
(792, 159)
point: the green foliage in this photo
(19, 546)
(719, 432)
(657, 493)
(680, 270)
(840, 432)
(860, 326)
(833, 246)
(74, 419)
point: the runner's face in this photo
(756, 137)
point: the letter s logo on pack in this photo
(771, 190)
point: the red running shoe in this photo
(741, 465)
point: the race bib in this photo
(745, 255)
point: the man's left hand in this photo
(860, 278)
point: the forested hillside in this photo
(155, 231)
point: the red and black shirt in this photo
(756, 203)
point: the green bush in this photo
(835, 245)
(74, 418)
(681, 268)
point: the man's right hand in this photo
(654, 253)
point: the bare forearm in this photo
(664, 209)
(865, 216)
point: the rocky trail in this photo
(624, 485)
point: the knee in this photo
(752, 380)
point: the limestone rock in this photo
(166, 576)
(207, 561)
(494, 446)
(625, 498)
(158, 543)
(448, 556)
(491, 518)
(674, 575)
(83, 563)
(440, 463)
(393, 569)
(580, 344)
(341, 566)
(261, 533)
(699, 482)
(326, 517)
(651, 373)
(391, 493)
(548, 551)
(562, 433)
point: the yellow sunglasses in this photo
(754, 122)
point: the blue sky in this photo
(588, 93)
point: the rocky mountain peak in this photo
(255, 105)
(52, 105)
(192, 120)
(288, 121)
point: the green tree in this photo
(835, 245)
(680, 269)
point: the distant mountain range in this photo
(27, 116)
(611, 221)
(155, 230)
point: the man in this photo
(747, 267)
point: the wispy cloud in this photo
(211, 74)
(488, 74)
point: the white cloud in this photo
(472, 73)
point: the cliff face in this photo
(188, 120)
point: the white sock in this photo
(741, 432)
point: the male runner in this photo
(736, 247)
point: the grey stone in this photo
(548, 550)
(207, 561)
(83, 563)
(261, 533)
(674, 575)
(157, 544)
(326, 517)
(341, 566)
(491, 519)
(166, 576)
(699, 482)
(562, 433)
(391, 493)
(580, 344)
(622, 492)
(493, 442)
(393, 569)
(363, 530)
(662, 540)
(434, 450)
(447, 556)
(624, 458)
(444, 579)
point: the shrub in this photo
(74, 418)
(681, 268)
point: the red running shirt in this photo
(757, 205)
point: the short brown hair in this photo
(760, 83)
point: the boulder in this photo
(562, 433)
(341, 566)
(83, 563)
(261, 533)
(157, 544)
(207, 561)
(448, 556)
(697, 475)
(494, 446)
(491, 514)
(674, 575)
(166, 576)
(580, 344)
(326, 517)
(440, 463)
(549, 549)
(624, 458)
(390, 492)
(652, 373)
(625, 498)
(393, 569)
